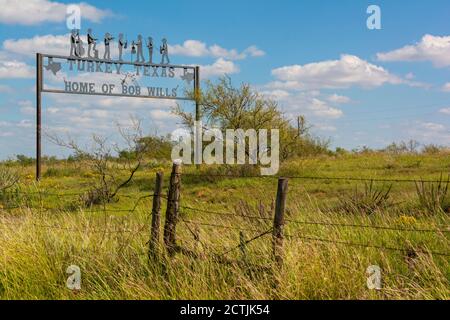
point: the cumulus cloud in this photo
(435, 127)
(15, 69)
(218, 68)
(429, 132)
(348, 71)
(446, 87)
(26, 107)
(52, 44)
(196, 48)
(6, 89)
(335, 98)
(34, 12)
(445, 111)
(309, 103)
(431, 48)
(322, 109)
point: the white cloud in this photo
(309, 103)
(348, 71)
(446, 87)
(276, 94)
(431, 48)
(25, 123)
(51, 44)
(5, 134)
(322, 109)
(162, 115)
(219, 68)
(33, 12)
(15, 69)
(254, 51)
(196, 48)
(428, 132)
(6, 89)
(335, 98)
(26, 107)
(435, 127)
(190, 48)
(445, 111)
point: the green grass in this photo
(46, 234)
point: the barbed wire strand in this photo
(246, 242)
(218, 226)
(365, 245)
(323, 222)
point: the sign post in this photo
(120, 81)
(38, 115)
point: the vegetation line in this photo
(309, 178)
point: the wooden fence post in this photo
(172, 208)
(278, 222)
(156, 217)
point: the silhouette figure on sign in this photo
(150, 49)
(73, 43)
(79, 48)
(54, 67)
(92, 44)
(164, 50)
(123, 44)
(108, 39)
(133, 49)
(140, 52)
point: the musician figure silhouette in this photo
(74, 41)
(92, 44)
(123, 44)
(150, 49)
(108, 39)
(77, 48)
(164, 50)
(139, 48)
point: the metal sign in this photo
(88, 72)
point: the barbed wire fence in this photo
(168, 237)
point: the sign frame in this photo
(40, 89)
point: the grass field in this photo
(43, 230)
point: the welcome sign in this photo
(138, 77)
(129, 73)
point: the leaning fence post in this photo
(278, 222)
(156, 216)
(172, 208)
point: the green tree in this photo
(225, 106)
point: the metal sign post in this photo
(38, 114)
(164, 72)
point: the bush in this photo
(8, 178)
(368, 201)
(433, 195)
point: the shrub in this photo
(367, 201)
(433, 195)
(8, 178)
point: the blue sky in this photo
(318, 58)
